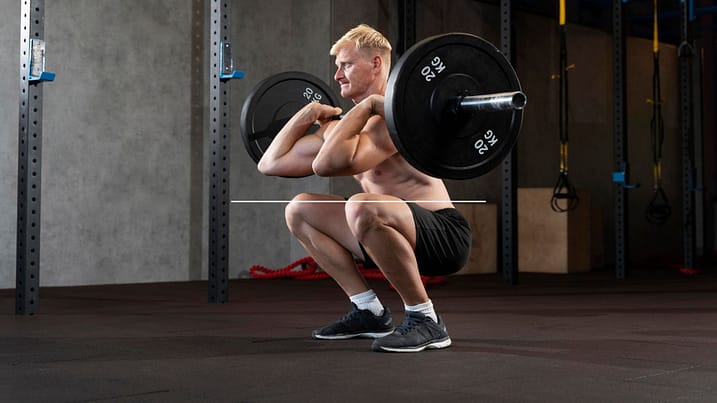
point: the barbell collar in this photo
(500, 101)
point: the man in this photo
(404, 223)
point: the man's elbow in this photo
(325, 167)
(320, 168)
(266, 168)
(331, 168)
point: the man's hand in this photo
(315, 112)
(359, 142)
(292, 152)
(324, 113)
(375, 104)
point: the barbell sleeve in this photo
(500, 101)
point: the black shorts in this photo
(443, 241)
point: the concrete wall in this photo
(124, 178)
(116, 142)
(9, 85)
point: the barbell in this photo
(453, 106)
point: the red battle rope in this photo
(307, 269)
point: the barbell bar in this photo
(260, 201)
(503, 101)
(492, 102)
(453, 106)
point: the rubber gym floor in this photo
(553, 338)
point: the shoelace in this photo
(350, 314)
(408, 324)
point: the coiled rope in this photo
(307, 269)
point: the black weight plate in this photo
(429, 134)
(273, 102)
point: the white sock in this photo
(368, 300)
(425, 308)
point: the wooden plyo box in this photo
(549, 241)
(483, 219)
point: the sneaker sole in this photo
(366, 335)
(415, 349)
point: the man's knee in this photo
(362, 217)
(294, 213)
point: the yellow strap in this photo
(563, 157)
(563, 145)
(657, 175)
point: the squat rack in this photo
(33, 75)
(221, 71)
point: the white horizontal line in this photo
(353, 201)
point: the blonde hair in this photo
(365, 37)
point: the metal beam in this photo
(686, 54)
(406, 26)
(219, 152)
(27, 289)
(509, 205)
(620, 141)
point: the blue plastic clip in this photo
(227, 65)
(621, 177)
(618, 177)
(36, 68)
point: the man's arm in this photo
(292, 152)
(359, 142)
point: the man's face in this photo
(354, 73)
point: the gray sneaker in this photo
(357, 323)
(418, 332)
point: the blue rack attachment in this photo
(36, 70)
(225, 61)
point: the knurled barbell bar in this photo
(453, 106)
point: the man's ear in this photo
(376, 60)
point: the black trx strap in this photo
(658, 210)
(563, 189)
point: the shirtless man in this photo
(425, 235)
